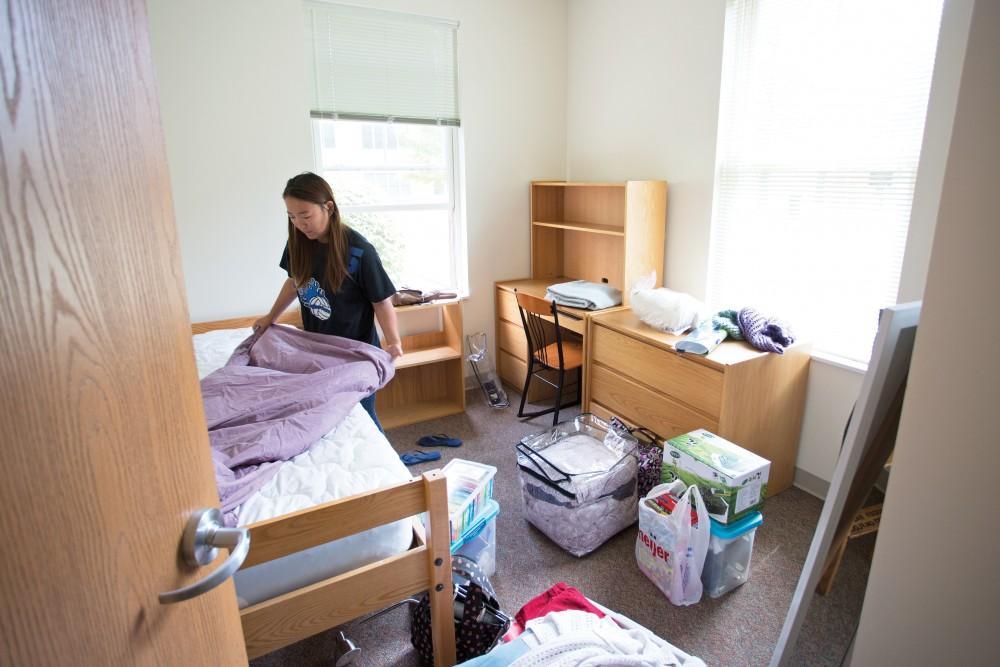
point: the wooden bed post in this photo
(439, 556)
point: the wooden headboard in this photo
(291, 316)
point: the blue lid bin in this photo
(727, 564)
(479, 541)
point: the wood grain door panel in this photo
(104, 439)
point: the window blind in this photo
(370, 64)
(821, 122)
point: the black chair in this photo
(548, 351)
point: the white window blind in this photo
(369, 64)
(821, 122)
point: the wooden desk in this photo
(512, 347)
(752, 398)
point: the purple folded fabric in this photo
(278, 394)
(764, 334)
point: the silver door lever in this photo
(203, 536)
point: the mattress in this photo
(352, 458)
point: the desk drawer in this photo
(511, 339)
(639, 405)
(513, 371)
(507, 307)
(683, 379)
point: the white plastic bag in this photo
(665, 309)
(671, 549)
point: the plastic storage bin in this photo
(727, 564)
(470, 486)
(479, 542)
(578, 482)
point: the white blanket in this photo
(581, 639)
(583, 294)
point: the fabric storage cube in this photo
(578, 482)
(470, 486)
(479, 542)
(727, 564)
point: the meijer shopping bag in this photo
(671, 548)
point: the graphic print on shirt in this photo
(314, 298)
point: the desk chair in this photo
(557, 355)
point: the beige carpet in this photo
(739, 628)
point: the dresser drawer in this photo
(638, 405)
(682, 379)
(507, 307)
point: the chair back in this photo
(539, 332)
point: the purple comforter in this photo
(278, 394)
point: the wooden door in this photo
(104, 449)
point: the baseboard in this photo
(811, 484)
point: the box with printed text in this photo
(732, 480)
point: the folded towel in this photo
(583, 294)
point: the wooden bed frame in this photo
(426, 566)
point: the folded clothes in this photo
(583, 294)
(560, 597)
(409, 297)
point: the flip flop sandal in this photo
(439, 440)
(413, 458)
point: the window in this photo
(386, 135)
(398, 193)
(820, 128)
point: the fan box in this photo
(732, 480)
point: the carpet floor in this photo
(738, 629)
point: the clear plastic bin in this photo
(470, 486)
(727, 564)
(479, 542)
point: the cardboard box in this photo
(732, 480)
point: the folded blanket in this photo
(583, 294)
(279, 393)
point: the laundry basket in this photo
(578, 482)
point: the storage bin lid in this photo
(728, 531)
(490, 512)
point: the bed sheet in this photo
(352, 458)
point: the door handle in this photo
(203, 536)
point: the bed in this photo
(332, 535)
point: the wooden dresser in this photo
(752, 398)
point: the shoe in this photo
(439, 440)
(413, 458)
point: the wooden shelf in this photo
(589, 227)
(430, 355)
(419, 412)
(577, 184)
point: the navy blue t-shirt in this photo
(348, 312)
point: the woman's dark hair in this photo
(309, 187)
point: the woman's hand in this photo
(395, 350)
(261, 325)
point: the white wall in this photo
(233, 88)
(643, 102)
(233, 94)
(933, 586)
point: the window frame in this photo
(455, 188)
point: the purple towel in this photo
(763, 333)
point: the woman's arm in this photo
(386, 314)
(286, 295)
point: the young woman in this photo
(335, 273)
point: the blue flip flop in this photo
(413, 458)
(439, 440)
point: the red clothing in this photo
(560, 597)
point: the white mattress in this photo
(352, 458)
